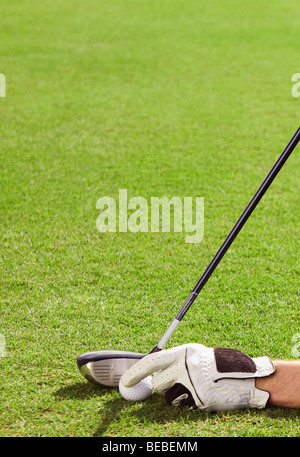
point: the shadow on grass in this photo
(81, 391)
(154, 410)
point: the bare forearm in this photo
(283, 385)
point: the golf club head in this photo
(105, 368)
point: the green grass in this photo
(168, 97)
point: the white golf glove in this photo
(204, 378)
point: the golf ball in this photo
(141, 391)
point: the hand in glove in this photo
(204, 378)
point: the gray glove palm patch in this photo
(231, 360)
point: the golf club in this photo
(105, 368)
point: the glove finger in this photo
(165, 378)
(147, 366)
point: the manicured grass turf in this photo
(168, 97)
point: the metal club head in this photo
(105, 368)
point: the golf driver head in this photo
(105, 368)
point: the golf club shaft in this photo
(230, 238)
